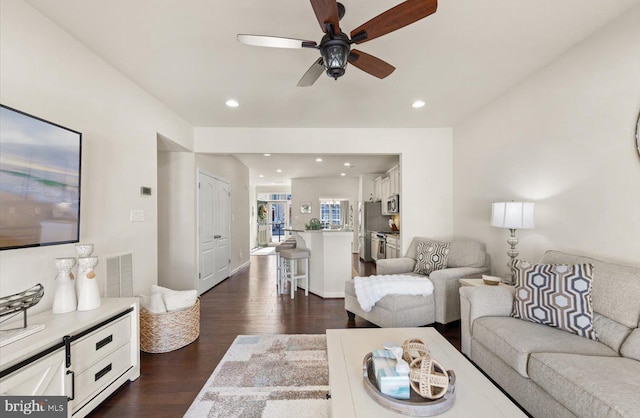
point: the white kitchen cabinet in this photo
(393, 247)
(394, 180)
(85, 355)
(375, 246)
(384, 190)
(377, 192)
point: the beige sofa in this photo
(466, 259)
(553, 373)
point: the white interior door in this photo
(214, 200)
(222, 247)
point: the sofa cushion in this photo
(467, 254)
(431, 256)
(513, 340)
(589, 386)
(558, 295)
(609, 331)
(616, 287)
(631, 346)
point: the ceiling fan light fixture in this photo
(335, 53)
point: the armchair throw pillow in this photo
(431, 256)
(557, 295)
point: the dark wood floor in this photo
(244, 304)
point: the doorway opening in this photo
(274, 218)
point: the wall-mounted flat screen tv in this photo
(39, 181)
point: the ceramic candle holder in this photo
(89, 295)
(64, 298)
(84, 250)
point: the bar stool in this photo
(290, 258)
(285, 245)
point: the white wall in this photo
(46, 72)
(314, 189)
(564, 139)
(425, 158)
(177, 220)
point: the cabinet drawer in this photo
(99, 344)
(100, 375)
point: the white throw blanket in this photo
(371, 289)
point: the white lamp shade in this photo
(512, 215)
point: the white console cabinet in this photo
(85, 356)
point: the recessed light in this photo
(261, 176)
(318, 160)
(343, 174)
(278, 171)
(347, 164)
(232, 103)
(267, 155)
(418, 104)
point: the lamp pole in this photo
(512, 252)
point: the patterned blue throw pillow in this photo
(431, 256)
(558, 295)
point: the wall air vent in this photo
(119, 282)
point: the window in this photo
(330, 213)
(274, 196)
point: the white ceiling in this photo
(185, 53)
(306, 166)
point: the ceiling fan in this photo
(335, 46)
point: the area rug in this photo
(264, 251)
(268, 376)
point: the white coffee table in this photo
(476, 396)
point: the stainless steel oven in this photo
(381, 251)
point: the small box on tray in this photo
(389, 381)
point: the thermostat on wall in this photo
(145, 191)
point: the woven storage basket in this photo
(168, 331)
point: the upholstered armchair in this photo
(466, 258)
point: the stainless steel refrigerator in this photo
(370, 219)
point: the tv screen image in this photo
(39, 181)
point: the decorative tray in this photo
(416, 405)
(21, 301)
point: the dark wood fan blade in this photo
(274, 41)
(393, 19)
(312, 74)
(370, 64)
(327, 12)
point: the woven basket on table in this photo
(168, 331)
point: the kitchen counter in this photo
(330, 260)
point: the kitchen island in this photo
(330, 260)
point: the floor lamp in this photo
(512, 216)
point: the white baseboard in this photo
(241, 267)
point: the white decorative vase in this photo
(64, 298)
(83, 250)
(89, 296)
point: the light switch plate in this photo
(136, 216)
